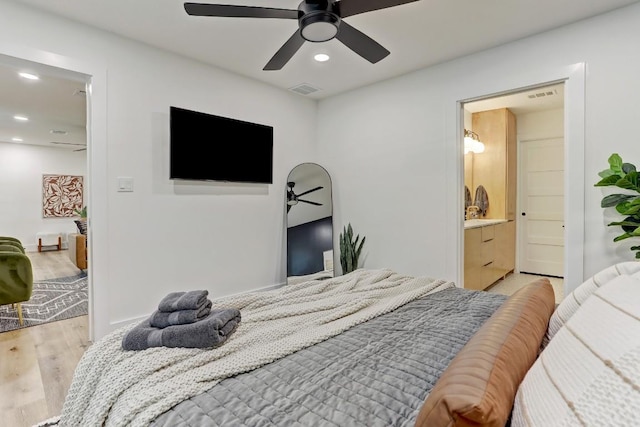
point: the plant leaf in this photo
(606, 173)
(610, 180)
(628, 167)
(622, 237)
(629, 182)
(613, 199)
(629, 207)
(615, 163)
(635, 248)
(637, 255)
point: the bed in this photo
(371, 348)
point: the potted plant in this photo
(81, 212)
(624, 176)
(349, 250)
(82, 222)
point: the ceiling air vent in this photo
(542, 94)
(304, 89)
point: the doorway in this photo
(537, 142)
(43, 140)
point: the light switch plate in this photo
(125, 184)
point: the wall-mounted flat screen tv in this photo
(214, 148)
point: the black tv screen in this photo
(214, 148)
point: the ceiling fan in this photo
(293, 198)
(318, 21)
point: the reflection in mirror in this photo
(309, 223)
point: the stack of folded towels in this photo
(183, 319)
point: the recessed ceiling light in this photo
(16, 139)
(321, 57)
(21, 118)
(29, 76)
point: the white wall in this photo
(164, 236)
(21, 170)
(392, 177)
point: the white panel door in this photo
(542, 207)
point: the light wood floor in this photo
(515, 281)
(37, 363)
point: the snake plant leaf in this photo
(349, 249)
(360, 247)
(613, 199)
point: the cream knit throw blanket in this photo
(114, 387)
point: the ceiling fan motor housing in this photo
(319, 20)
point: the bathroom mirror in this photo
(309, 211)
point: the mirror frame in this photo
(322, 241)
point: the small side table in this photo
(49, 239)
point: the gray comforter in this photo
(375, 374)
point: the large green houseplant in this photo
(349, 250)
(625, 176)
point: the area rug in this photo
(51, 300)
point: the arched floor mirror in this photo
(309, 223)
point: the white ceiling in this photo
(51, 103)
(418, 34)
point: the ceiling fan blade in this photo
(354, 7)
(310, 202)
(232, 11)
(360, 43)
(310, 191)
(286, 52)
(288, 208)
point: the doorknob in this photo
(523, 214)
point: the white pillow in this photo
(589, 373)
(572, 302)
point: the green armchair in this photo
(4, 241)
(16, 277)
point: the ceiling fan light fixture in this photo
(321, 57)
(319, 27)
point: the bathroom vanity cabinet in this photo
(489, 252)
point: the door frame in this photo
(574, 78)
(94, 75)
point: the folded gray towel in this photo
(192, 300)
(211, 331)
(162, 319)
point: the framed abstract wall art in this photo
(61, 195)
